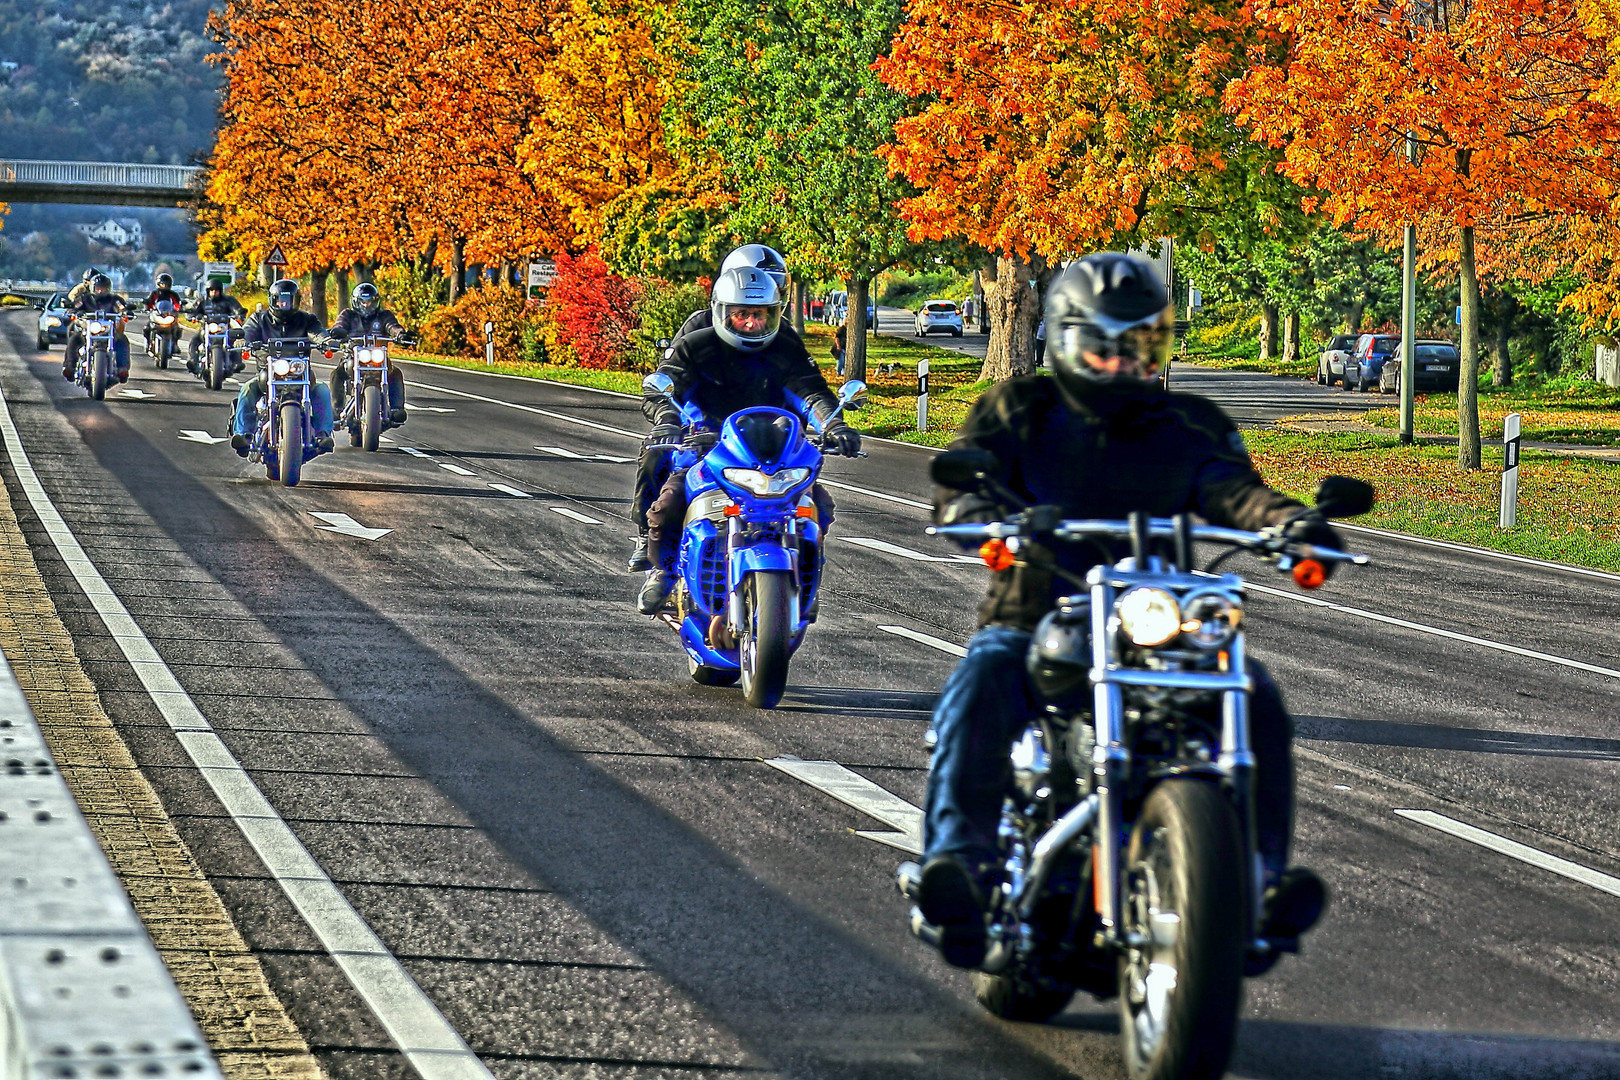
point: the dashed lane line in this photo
(885, 496)
(1514, 850)
(450, 466)
(904, 552)
(527, 408)
(512, 491)
(925, 639)
(574, 515)
(413, 1022)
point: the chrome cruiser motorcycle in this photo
(365, 408)
(285, 437)
(163, 332)
(1131, 865)
(221, 349)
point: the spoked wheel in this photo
(292, 443)
(216, 368)
(100, 372)
(704, 675)
(371, 416)
(763, 649)
(1181, 988)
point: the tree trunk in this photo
(505, 278)
(1268, 331)
(1352, 321)
(796, 290)
(476, 272)
(1290, 347)
(458, 282)
(317, 296)
(362, 272)
(1503, 375)
(1014, 310)
(340, 278)
(855, 328)
(1468, 378)
(430, 260)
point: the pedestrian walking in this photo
(1040, 343)
(840, 347)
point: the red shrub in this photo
(590, 311)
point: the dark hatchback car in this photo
(1437, 366)
(1366, 361)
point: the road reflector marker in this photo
(1514, 850)
(512, 491)
(574, 515)
(450, 466)
(856, 791)
(925, 639)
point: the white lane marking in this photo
(450, 466)
(1524, 560)
(905, 552)
(1515, 850)
(1486, 643)
(134, 392)
(877, 494)
(529, 409)
(234, 382)
(560, 452)
(512, 491)
(409, 1016)
(343, 523)
(523, 378)
(925, 639)
(574, 515)
(413, 451)
(190, 435)
(854, 790)
(426, 408)
(384, 438)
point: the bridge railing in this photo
(105, 174)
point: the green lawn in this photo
(1577, 411)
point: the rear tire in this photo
(1181, 994)
(292, 443)
(216, 368)
(100, 373)
(371, 416)
(1004, 997)
(763, 649)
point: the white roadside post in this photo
(489, 343)
(922, 395)
(1510, 470)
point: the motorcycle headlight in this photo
(280, 368)
(1148, 616)
(1210, 619)
(296, 367)
(163, 320)
(766, 484)
(98, 328)
(215, 328)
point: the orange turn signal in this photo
(995, 554)
(732, 511)
(1309, 574)
(804, 511)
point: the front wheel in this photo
(44, 343)
(292, 443)
(100, 373)
(371, 416)
(216, 368)
(163, 351)
(1181, 989)
(765, 636)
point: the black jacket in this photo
(381, 322)
(719, 379)
(1102, 455)
(262, 327)
(228, 306)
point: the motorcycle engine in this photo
(1059, 658)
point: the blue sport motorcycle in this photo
(748, 570)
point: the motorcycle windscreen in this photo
(768, 435)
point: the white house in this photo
(116, 232)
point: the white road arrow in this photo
(855, 790)
(130, 391)
(200, 436)
(346, 525)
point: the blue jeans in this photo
(247, 403)
(988, 701)
(840, 354)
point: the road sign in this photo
(222, 271)
(275, 258)
(542, 272)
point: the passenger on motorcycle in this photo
(366, 315)
(1099, 439)
(652, 466)
(742, 360)
(163, 291)
(281, 320)
(83, 288)
(216, 302)
(98, 298)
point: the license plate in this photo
(1436, 367)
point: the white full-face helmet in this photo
(760, 257)
(747, 308)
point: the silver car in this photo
(53, 320)
(938, 317)
(1330, 365)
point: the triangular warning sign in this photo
(275, 258)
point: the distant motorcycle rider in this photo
(98, 299)
(652, 466)
(740, 361)
(164, 291)
(366, 315)
(82, 289)
(281, 320)
(219, 304)
(1099, 439)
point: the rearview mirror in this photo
(964, 470)
(658, 385)
(663, 343)
(1343, 496)
(852, 394)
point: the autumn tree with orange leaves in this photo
(1498, 97)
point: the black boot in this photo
(396, 416)
(638, 556)
(949, 896)
(654, 591)
(1294, 904)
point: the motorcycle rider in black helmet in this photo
(742, 360)
(217, 302)
(652, 466)
(1100, 438)
(365, 314)
(164, 290)
(280, 320)
(100, 299)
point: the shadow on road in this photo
(1436, 737)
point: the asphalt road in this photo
(582, 857)
(1252, 398)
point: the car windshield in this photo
(1341, 343)
(1436, 352)
(1385, 344)
(946, 309)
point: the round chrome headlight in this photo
(98, 328)
(1210, 619)
(280, 367)
(1148, 616)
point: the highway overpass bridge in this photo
(96, 183)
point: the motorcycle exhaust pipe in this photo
(1064, 832)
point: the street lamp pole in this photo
(1408, 314)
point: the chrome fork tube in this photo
(1108, 756)
(734, 610)
(1237, 763)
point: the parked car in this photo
(1330, 365)
(938, 317)
(1437, 367)
(1367, 360)
(53, 320)
(832, 312)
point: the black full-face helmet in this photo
(365, 299)
(89, 274)
(1109, 321)
(215, 289)
(164, 281)
(101, 285)
(283, 299)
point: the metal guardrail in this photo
(101, 174)
(83, 992)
